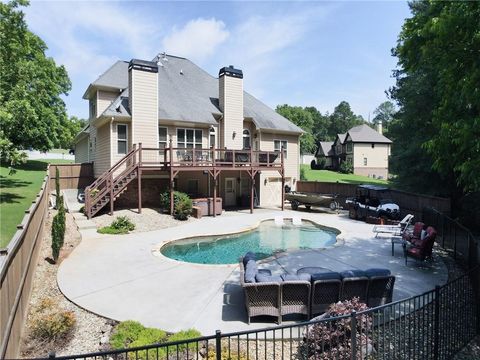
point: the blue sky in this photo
(300, 53)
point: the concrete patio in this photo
(125, 278)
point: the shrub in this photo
(321, 161)
(131, 334)
(57, 186)
(346, 167)
(183, 208)
(303, 177)
(165, 199)
(121, 225)
(332, 339)
(50, 323)
(125, 333)
(58, 228)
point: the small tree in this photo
(58, 229)
(346, 167)
(57, 187)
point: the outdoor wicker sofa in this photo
(311, 291)
(273, 295)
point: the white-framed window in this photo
(122, 138)
(349, 147)
(339, 149)
(212, 137)
(278, 145)
(246, 139)
(162, 137)
(189, 138)
(364, 161)
(93, 109)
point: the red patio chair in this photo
(415, 234)
(422, 249)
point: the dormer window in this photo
(246, 139)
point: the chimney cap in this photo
(144, 65)
(231, 71)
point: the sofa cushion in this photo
(352, 273)
(268, 278)
(250, 271)
(331, 275)
(377, 272)
(312, 270)
(248, 256)
(264, 271)
(292, 277)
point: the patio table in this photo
(396, 240)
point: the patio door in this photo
(230, 192)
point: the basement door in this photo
(230, 192)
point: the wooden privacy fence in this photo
(17, 267)
(72, 176)
(408, 202)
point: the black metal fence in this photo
(433, 325)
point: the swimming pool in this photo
(264, 240)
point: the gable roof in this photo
(113, 78)
(188, 93)
(364, 133)
(324, 148)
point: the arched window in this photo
(212, 137)
(246, 139)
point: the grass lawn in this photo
(332, 176)
(17, 193)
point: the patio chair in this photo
(415, 234)
(326, 288)
(380, 287)
(354, 284)
(261, 298)
(295, 297)
(421, 249)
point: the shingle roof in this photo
(364, 133)
(326, 148)
(187, 92)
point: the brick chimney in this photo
(143, 101)
(230, 96)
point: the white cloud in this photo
(197, 40)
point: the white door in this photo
(230, 192)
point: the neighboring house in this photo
(172, 101)
(366, 149)
(306, 159)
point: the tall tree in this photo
(320, 124)
(384, 113)
(32, 113)
(72, 127)
(343, 119)
(438, 124)
(303, 119)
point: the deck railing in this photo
(209, 157)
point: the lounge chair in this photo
(421, 249)
(394, 230)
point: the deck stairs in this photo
(112, 184)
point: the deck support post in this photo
(139, 177)
(171, 176)
(252, 187)
(214, 195)
(283, 178)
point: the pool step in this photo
(279, 220)
(296, 220)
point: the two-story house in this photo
(199, 134)
(366, 149)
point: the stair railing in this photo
(104, 184)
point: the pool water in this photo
(264, 241)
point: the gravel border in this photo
(91, 331)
